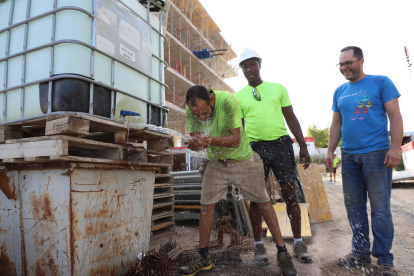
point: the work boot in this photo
(387, 270)
(284, 261)
(260, 256)
(351, 260)
(195, 266)
(300, 250)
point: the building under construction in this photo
(197, 54)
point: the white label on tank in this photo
(127, 53)
(129, 34)
(107, 16)
(105, 45)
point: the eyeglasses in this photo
(347, 64)
(256, 95)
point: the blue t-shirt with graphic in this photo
(364, 119)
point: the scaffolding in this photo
(196, 53)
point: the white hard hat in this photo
(247, 54)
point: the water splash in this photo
(157, 129)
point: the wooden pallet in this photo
(68, 148)
(162, 222)
(85, 126)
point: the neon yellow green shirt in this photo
(335, 162)
(264, 119)
(226, 116)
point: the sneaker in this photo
(284, 261)
(260, 256)
(351, 260)
(197, 265)
(387, 270)
(300, 250)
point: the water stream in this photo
(157, 129)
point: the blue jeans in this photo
(362, 175)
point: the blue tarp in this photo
(203, 54)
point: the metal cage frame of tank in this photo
(71, 76)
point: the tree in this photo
(321, 136)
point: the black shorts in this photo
(279, 156)
(327, 170)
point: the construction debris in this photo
(170, 258)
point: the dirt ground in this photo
(329, 239)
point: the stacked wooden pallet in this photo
(87, 139)
(82, 138)
(163, 207)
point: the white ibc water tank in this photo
(92, 56)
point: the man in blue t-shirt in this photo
(360, 107)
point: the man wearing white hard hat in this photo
(264, 107)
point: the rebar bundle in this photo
(153, 264)
(170, 258)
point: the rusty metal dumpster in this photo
(74, 218)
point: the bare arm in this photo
(393, 157)
(198, 142)
(296, 130)
(334, 138)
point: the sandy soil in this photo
(329, 240)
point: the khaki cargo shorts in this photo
(247, 175)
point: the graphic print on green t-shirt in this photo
(226, 116)
(264, 119)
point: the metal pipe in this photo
(23, 78)
(187, 194)
(188, 207)
(112, 91)
(185, 187)
(71, 8)
(78, 77)
(91, 86)
(6, 64)
(80, 43)
(187, 201)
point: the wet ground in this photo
(329, 239)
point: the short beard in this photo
(355, 74)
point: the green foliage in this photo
(321, 136)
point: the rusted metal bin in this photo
(74, 218)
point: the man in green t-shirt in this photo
(264, 107)
(214, 124)
(335, 164)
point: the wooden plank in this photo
(165, 159)
(120, 137)
(34, 149)
(284, 221)
(161, 215)
(160, 225)
(162, 204)
(67, 125)
(135, 154)
(160, 144)
(162, 195)
(10, 132)
(164, 178)
(163, 185)
(96, 124)
(143, 134)
(319, 209)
